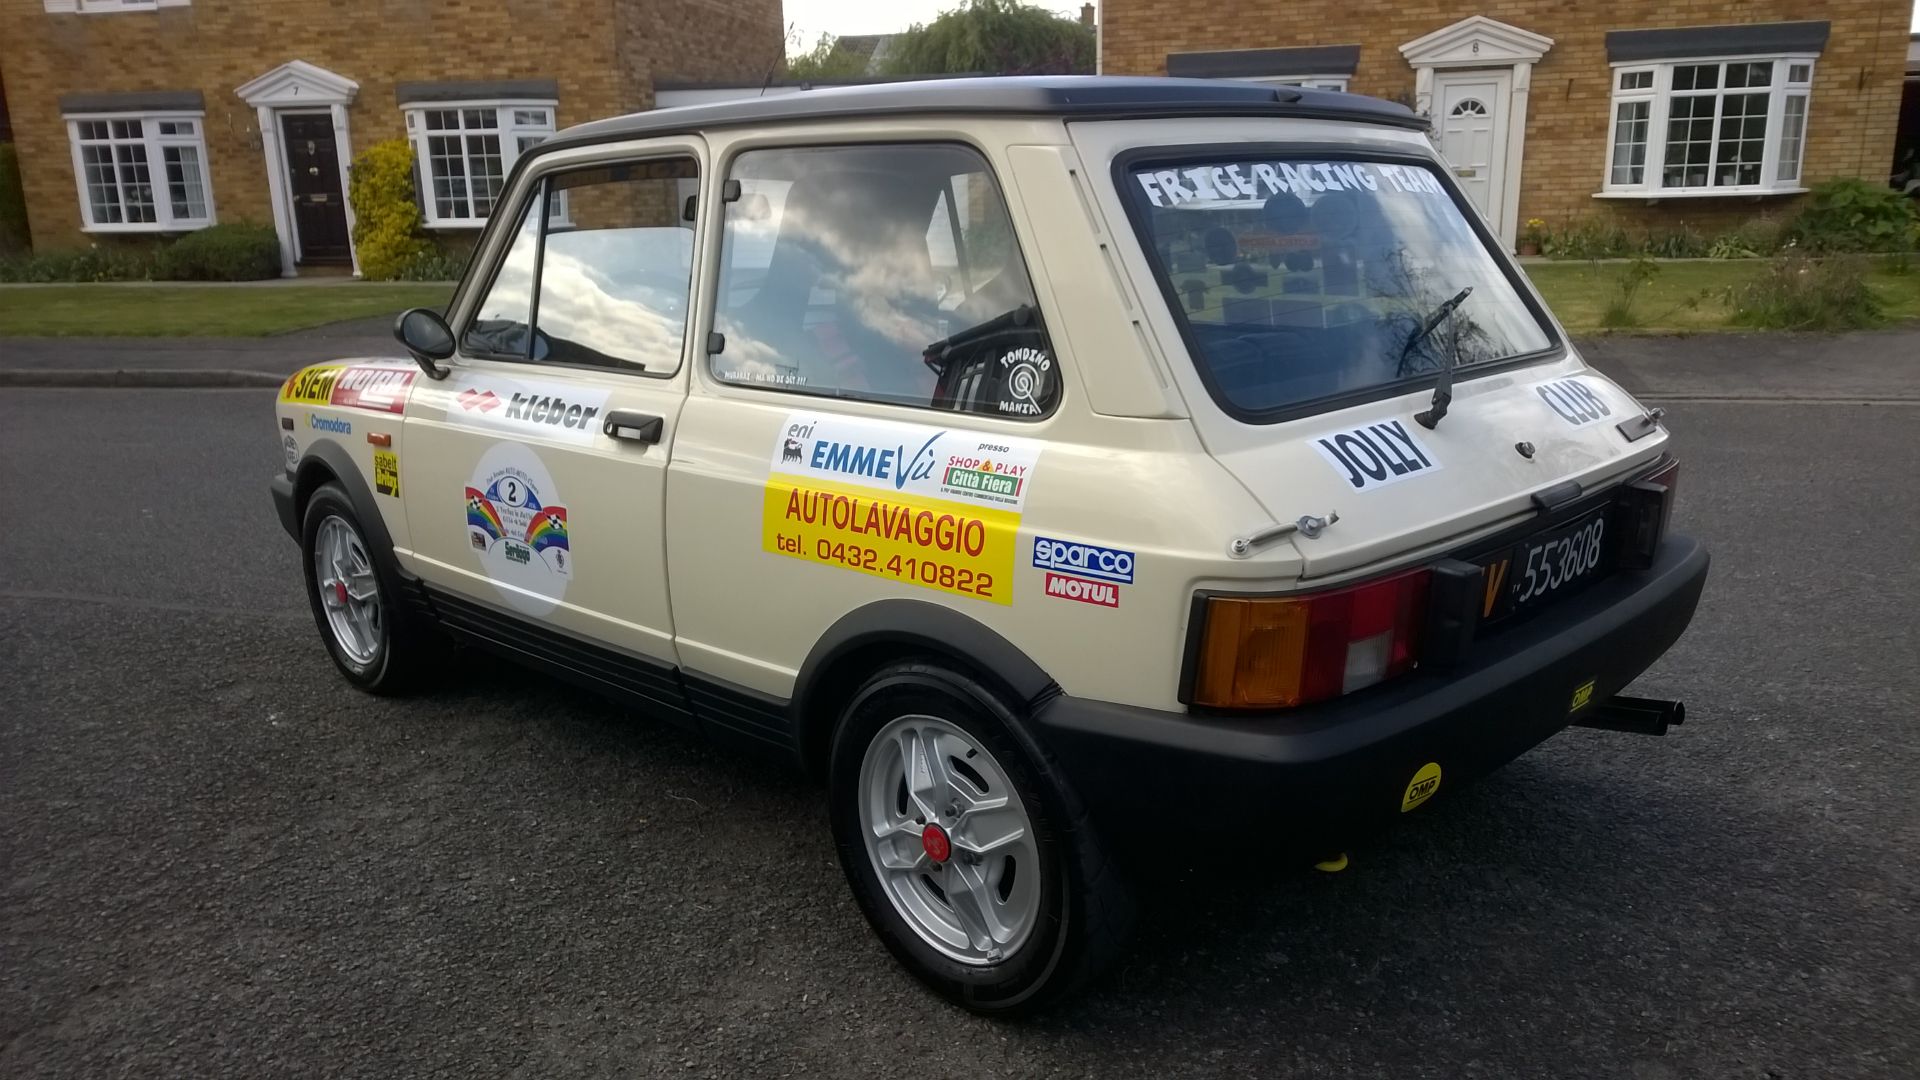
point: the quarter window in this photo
(1706, 127)
(464, 152)
(608, 285)
(879, 273)
(141, 173)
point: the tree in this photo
(993, 37)
(827, 60)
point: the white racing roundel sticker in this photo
(517, 528)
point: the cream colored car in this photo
(1060, 468)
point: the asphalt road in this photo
(215, 859)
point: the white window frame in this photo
(512, 135)
(155, 146)
(1659, 98)
(107, 7)
(1304, 82)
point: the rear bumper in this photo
(1318, 775)
(283, 505)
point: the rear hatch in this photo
(1322, 296)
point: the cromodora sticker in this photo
(930, 507)
(517, 528)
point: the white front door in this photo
(1471, 117)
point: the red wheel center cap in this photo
(933, 839)
(340, 591)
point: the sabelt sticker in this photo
(1574, 401)
(1375, 455)
(931, 507)
(374, 387)
(562, 412)
(386, 472)
(517, 527)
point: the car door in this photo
(535, 471)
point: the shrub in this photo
(1853, 215)
(14, 238)
(1589, 238)
(1798, 292)
(386, 227)
(1683, 242)
(1627, 283)
(435, 264)
(236, 252)
(80, 264)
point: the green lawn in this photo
(201, 310)
(1579, 291)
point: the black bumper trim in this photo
(283, 505)
(1329, 770)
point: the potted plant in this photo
(1531, 238)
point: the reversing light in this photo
(1279, 652)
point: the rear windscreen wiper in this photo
(1443, 388)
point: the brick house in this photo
(1652, 112)
(163, 116)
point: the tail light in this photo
(1641, 512)
(1278, 652)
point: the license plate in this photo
(1545, 567)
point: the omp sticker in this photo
(1253, 182)
(1422, 787)
(525, 407)
(927, 506)
(386, 472)
(1085, 560)
(1574, 401)
(1376, 455)
(332, 424)
(1582, 696)
(311, 386)
(517, 527)
(374, 388)
(1103, 593)
(909, 459)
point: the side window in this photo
(882, 273)
(603, 279)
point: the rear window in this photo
(1302, 278)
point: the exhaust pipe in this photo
(1635, 716)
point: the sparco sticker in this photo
(930, 507)
(1086, 560)
(556, 411)
(517, 528)
(1376, 455)
(1574, 401)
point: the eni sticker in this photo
(386, 472)
(1582, 696)
(517, 528)
(1421, 787)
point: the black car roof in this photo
(1071, 96)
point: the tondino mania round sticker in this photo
(517, 528)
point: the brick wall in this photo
(602, 53)
(1854, 112)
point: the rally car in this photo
(1061, 469)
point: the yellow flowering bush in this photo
(386, 228)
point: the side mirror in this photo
(427, 338)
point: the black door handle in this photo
(637, 426)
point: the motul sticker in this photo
(1376, 455)
(560, 412)
(1574, 401)
(1104, 593)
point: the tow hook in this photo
(1635, 716)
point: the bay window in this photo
(1700, 127)
(141, 172)
(464, 151)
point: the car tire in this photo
(375, 642)
(999, 926)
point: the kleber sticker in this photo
(1376, 455)
(1574, 401)
(929, 507)
(517, 528)
(562, 412)
(386, 472)
(311, 386)
(1084, 560)
(1422, 787)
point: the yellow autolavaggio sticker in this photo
(311, 386)
(932, 543)
(386, 472)
(927, 506)
(1421, 787)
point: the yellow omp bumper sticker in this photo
(311, 386)
(935, 544)
(1421, 787)
(1582, 696)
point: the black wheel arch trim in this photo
(331, 456)
(903, 626)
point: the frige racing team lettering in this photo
(934, 508)
(1254, 181)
